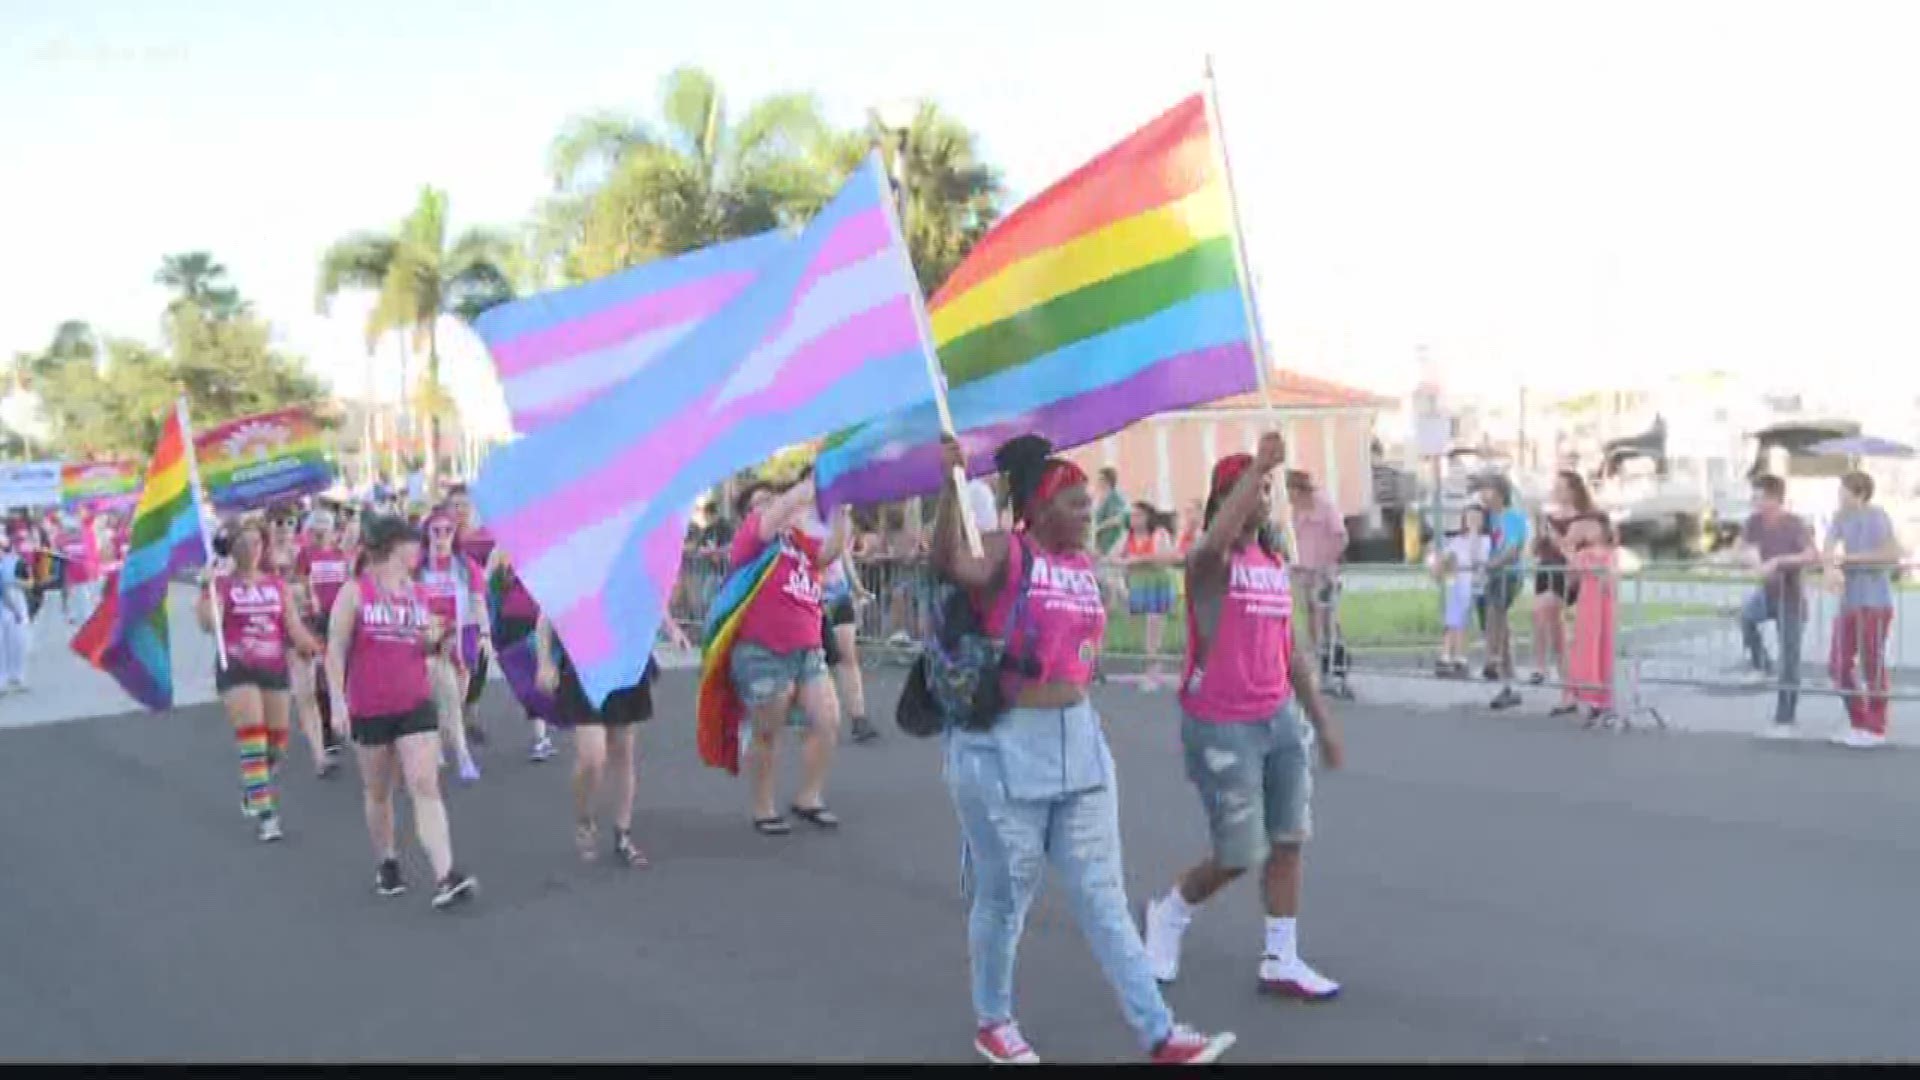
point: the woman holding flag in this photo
(1038, 785)
(257, 618)
(380, 636)
(456, 593)
(779, 661)
(603, 738)
(1247, 748)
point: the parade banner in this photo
(29, 484)
(100, 486)
(256, 460)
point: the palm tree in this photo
(420, 277)
(197, 279)
(951, 197)
(627, 191)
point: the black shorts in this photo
(1557, 580)
(631, 705)
(234, 674)
(840, 612)
(387, 730)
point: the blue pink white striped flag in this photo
(592, 507)
(556, 351)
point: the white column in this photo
(1250, 434)
(1209, 443)
(1110, 451)
(1290, 431)
(1163, 462)
(1330, 450)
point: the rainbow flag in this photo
(593, 507)
(719, 710)
(127, 635)
(1111, 296)
(100, 486)
(556, 351)
(257, 460)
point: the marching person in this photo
(321, 568)
(1250, 674)
(456, 593)
(605, 743)
(515, 618)
(258, 619)
(380, 636)
(838, 581)
(16, 619)
(779, 661)
(1038, 786)
(477, 544)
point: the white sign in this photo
(32, 483)
(1432, 429)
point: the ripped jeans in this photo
(1039, 787)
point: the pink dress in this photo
(1590, 656)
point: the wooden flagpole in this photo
(1245, 275)
(939, 379)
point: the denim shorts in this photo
(1255, 781)
(760, 675)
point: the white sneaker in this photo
(270, 828)
(1294, 979)
(1857, 739)
(1779, 733)
(1165, 927)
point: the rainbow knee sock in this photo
(256, 772)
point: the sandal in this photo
(586, 840)
(819, 817)
(624, 850)
(771, 826)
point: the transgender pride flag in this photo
(555, 351)
(592, 506)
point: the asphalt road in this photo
(1487, 887)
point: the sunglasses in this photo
(439, 532)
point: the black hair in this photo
(1268, 541)
(1157, 520)
(744, 497)
(1024, 461)
(1108, 475)
(1582, 498)
(382, 532)
(1770, 485)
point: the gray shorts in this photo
(760, 676)
(1255, 781)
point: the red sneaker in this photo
(1003, 1044)
(1189, 1047)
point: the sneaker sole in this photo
(461, 893)
(995, 1059)
(1216, 1049)
(381, 890)
(1293, 991)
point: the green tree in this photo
(952, 197)
(197, 279)
(627, 191)
(419, 277)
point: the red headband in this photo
(1228, 470)
(1059, 475)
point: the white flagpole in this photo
(1245, 274)
(939, 379)
(198, 495)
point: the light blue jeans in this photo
(1037, 788)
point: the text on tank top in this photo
(326, 570)
(449, 587)
(253, 620)
(387, 658)
(1065, 621)
(1246, 674)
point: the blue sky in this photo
(1537, 190)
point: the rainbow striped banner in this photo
(256, 460)
(556, 351)
(126, 637)
(100, 486)
(1111, 296)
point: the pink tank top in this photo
(326, 570)
(1065, 620)
(1247, 674)
(387, 660)
(449, 584)
(253, 621)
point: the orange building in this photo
(1328, 429)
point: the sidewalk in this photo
(65, 687)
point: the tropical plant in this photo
(627, 191)
(197, 279)
(419, 277)
(951, 197)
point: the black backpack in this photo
(956, 680)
